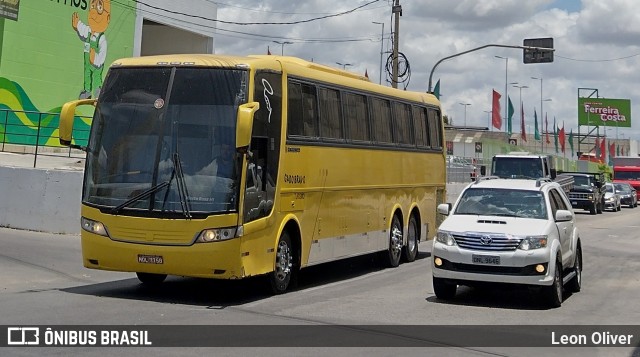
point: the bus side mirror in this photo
(67, 114)
(245, 124)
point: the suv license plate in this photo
(486, 259)
(150, 259)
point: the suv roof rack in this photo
(542, 180)
(484, 178)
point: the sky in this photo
(597, 46)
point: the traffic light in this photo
(538, 55)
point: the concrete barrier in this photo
(45, 200)
(48, 199)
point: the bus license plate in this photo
(486, 259)
(150, 259)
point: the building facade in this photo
(53, 51)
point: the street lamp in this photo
(488, 118)
(381, 47)
(541, 110)
(521, 110)
(344, 65)
(506, 81)
(282, 44)
(465, 112)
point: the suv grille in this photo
(487, 242)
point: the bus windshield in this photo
(163, 142)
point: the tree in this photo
(446, 119)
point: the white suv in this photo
(508, 231)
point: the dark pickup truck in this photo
(587, 191)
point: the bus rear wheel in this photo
(410, 251)
(151, 279)
(281, 276)
(394, 252)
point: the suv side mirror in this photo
(563, 215)
(444, 208)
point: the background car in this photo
(611, 197)
(628, 195)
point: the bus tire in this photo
(410, 251)
(151, 279)
(282, 273)
(394, 252)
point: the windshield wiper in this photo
(182, 187)
(140, 196)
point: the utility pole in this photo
(397, 10)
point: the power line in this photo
(257, 36)
(257, 23)
(282, 12)
(598, 60)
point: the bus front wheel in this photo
(281, 276)
(151, 279)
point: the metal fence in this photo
(30, 132)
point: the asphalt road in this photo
(42, 282)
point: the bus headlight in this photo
(533, 242)
(445, 238)
(94, 227)
(216, 235)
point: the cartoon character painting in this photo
(95, 45)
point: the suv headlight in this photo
(533, 242)
(445, 238)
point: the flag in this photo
(366, 74)
(496, 120)
(571, 141)
(561, 136)
(622, 151)
(536, 133)
(603, 150)
(509, 116)
(546, 129)
(555, 134)
(436, 89)
(523, 132)
(268, 51)
(618, 150)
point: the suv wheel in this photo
(553, 293)
(575, 284)
(444, 289)
(593, 209)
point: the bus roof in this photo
(291, 65)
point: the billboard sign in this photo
(9, 9)
(604, 112)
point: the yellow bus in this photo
(229, 167)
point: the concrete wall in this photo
(40, 200)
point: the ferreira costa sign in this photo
(604, 112)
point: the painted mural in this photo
(55, 52)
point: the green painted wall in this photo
(42, 64)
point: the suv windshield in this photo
(502, 202)
(163, 141)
